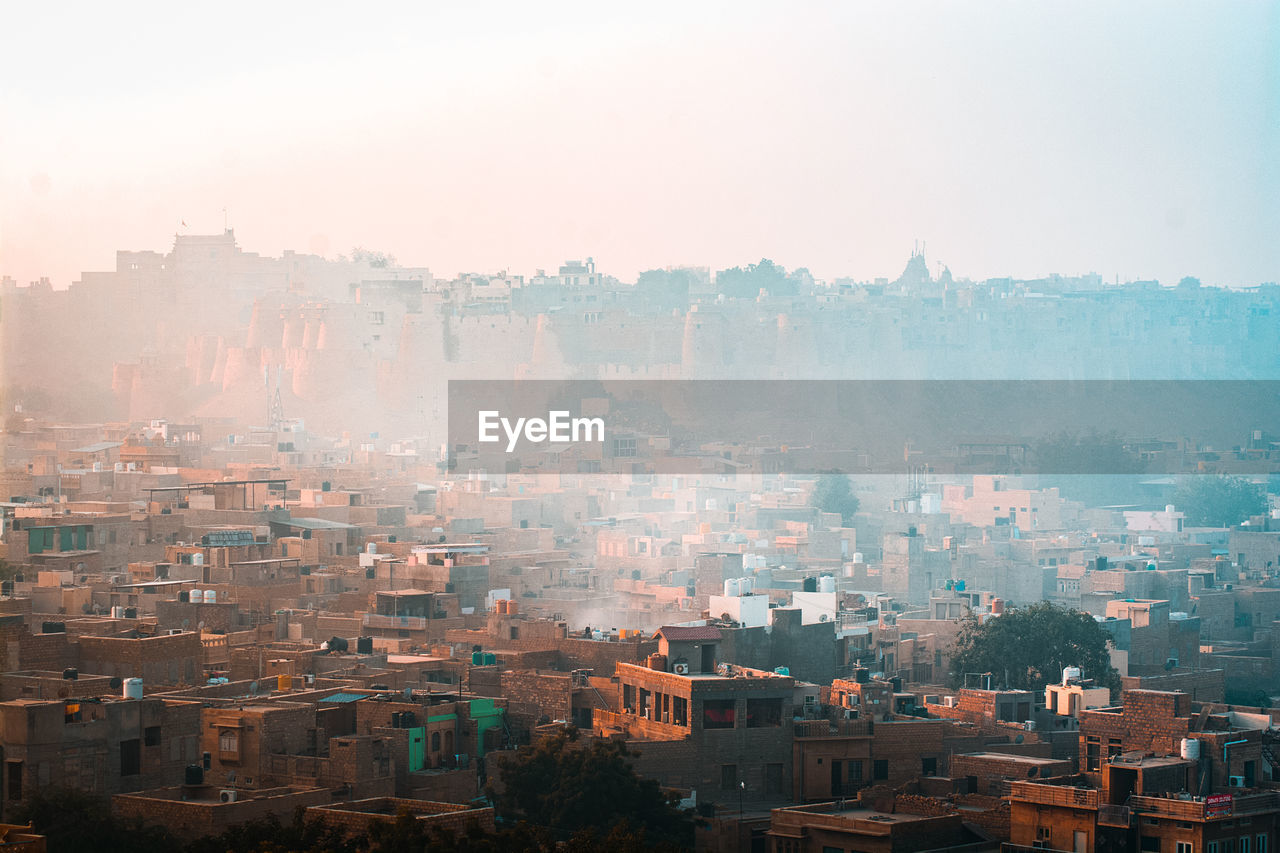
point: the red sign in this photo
(1218, 806)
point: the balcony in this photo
(1110, 815)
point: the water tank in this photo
(810, 585)
(284, 681)
(782, 670)
(960, 586)
(371, 548)
(183, 595)
(1190, 749)
(997, 606)
(1168, 508)
(133, 688)
(71, 673)
(364, 645)
(477, 658)
(337, 644)
(197, 596)
(857, 557)
(117, 612)
(131, 613)
(53, 627)
(513, 607)
(210, 596)
(1070, 672)
(748, 586)
(862, 675)
(732, 587)
(490, 659)
(197, 559)
(194, 775)
(826, 583)
(658, 662)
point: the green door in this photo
(417, 749)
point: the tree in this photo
(73, 820)
(833, 493)
(589, 791)
(1028, 647)
(1220, 501)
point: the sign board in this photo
(1218, 806)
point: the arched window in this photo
(435, 741)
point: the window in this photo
(624, 447)
(1149, 843)
(717, 714)
(728, 776)
(1113, 747)
(1044, 837)
(929, 766)
(855, 770)
(679, 711)
(435, 741)
(151, 736)
(1184, 847)
(880, 769)
(1260, 846)
(1244, 844)
(229, 741)
(1213, 847)
(1092, 762)
(130, 757)
(764, 712)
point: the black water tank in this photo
(184, 595)
(194, 775)
(53, 628)
(364, 645)
(862, 675)
(897, 683)
(810, 585)
(407, 720)
(337, 644)
(395, 719)
(131, 613)
(370, 574)
(71, 673)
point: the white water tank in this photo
(371, 548)
(1070, 672)
(733, 587)
(197, 596)
(1190, 749)
(857, 557)
(826, 583)
(133, 688)
(117, 613)
(748, 585)
(197, 559)
(210, 596)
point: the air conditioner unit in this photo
(680, 668)
(1235, 782)
(948, 701)
(228, 795)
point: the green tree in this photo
(73, 821)
(1220, 501)
(587, 791)
(1028, 647)
(834, 493)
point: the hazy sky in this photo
(1139, 139)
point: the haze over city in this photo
(728, 427)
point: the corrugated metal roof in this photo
(345, 697)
